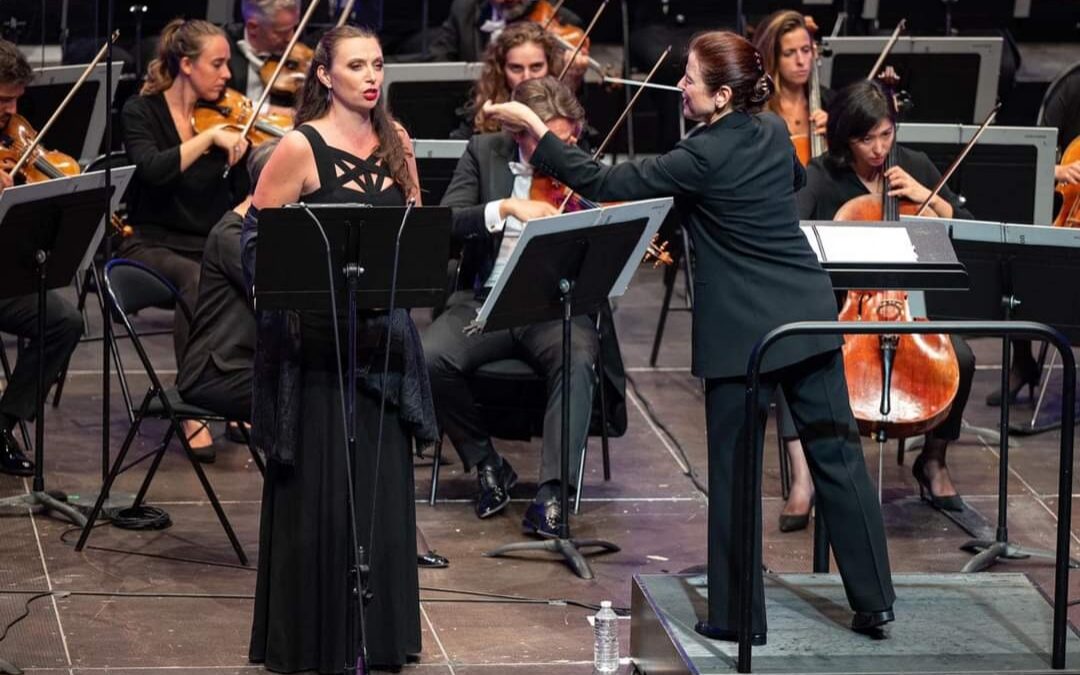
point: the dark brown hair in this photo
(491, 86)
(727, 59)
(179, 38)
(857, 109)
(549, 98)
(315, 104)
(767, 41)
(14, 68)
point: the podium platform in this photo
(945, 623)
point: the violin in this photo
(41, 164)
(297, 61)
(899, 385)
(572, 39)
(1069, 213)
(236, 110)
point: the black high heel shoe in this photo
(950, 503)
(1019, 378)
(796, 521)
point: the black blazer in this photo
(734, 185)
(223, 328)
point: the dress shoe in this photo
(235, 434)
(495, 482)
(872, 623)
(12, 459)
(542, 519)
(950, 503)
(1019, 378)
(206, 454)
(431, 560)
(728, 634)
(793, 522)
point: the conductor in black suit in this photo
(490, 200)
(734, 182)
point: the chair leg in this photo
(113, 472)
(436, 461)
(60, 380)
(259, 463)
(785, 464)
(152, 471)
(900, 447)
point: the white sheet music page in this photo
(867, 244)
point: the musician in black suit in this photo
(267, 28)
(471, 24)
(734, 182)
(490, 197)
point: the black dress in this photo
(302, 599)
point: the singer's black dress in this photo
(302, 592)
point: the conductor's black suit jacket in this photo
(734, 185)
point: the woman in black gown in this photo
(346, 148)
(734, 182)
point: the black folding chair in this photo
(131, 287)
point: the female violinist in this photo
(787, 48)
(734, 181)
(177, 193)
(861, 132)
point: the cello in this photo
(1069, 213)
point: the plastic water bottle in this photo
(606, 644)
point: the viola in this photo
(1069, 213)
(293, 72)
(236, 110)
(42, 165)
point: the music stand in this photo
(352, 252)
(561, 267)
(48, 231)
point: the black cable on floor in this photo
(25, 613)
(690, 472)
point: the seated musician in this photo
(490, 197)
(523, 51)
(861, 132)
(178, 193)
(268, 26)
(472, 24)
(19, 315)
(216, 370)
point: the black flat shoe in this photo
(727, 634)
(431, 560)
(542, 519)
(950, 503)
(12, 459)
(495, 482)
(793, 522)
(872, 624)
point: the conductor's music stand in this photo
(352, 253)
(561, 267)
(48, 231)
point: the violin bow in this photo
(345, 12)
(63, 104)
(959, 158)
(622, 118)
(886, 49)
(584, 37)
(273, 78)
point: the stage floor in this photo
(174, 601)
(947, 623)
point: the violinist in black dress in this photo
(734, 182)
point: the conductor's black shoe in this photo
(728, 634)
(542, 519)
(496, 480)
(12, 459)
(872, 623)
(431, 560)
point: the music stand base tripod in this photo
(567, 547)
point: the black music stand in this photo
(47, 232)
(562, 267)
(352, 253)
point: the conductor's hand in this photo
(526, 209)
(229, 139)
(901, 184)
(515, 117)
(1067, 173)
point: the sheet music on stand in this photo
(652, 211)
(909, 255)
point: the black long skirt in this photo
(302, 599)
